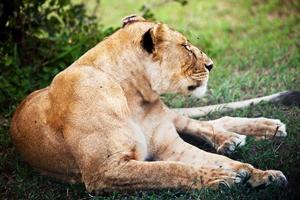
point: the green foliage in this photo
(147, 13)
(38, 39)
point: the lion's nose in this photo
(208, 63)
(209, 66)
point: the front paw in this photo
(271, 128)
(231, 144)
(265, 178)
(281, 128)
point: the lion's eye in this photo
(188, 47)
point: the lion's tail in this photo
(286, 98)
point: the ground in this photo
(255, 48)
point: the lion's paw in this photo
(231, 144)
(281, 132)
(268, 177)
(273, 128)
(233, 177)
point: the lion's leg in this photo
(224, 141)
(180, 151)
(226, 133)
(108, 162)
(258, 127)
(133, 175)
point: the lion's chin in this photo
(200, 91)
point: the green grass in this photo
(255, 47)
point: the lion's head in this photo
(178, 65)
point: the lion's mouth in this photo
(198, 90)
(192, 87)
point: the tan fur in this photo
(101, 119)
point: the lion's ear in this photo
(153, 37)
(160, 31)
(148, 41)
(131, 19)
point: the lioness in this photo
(101, 119)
